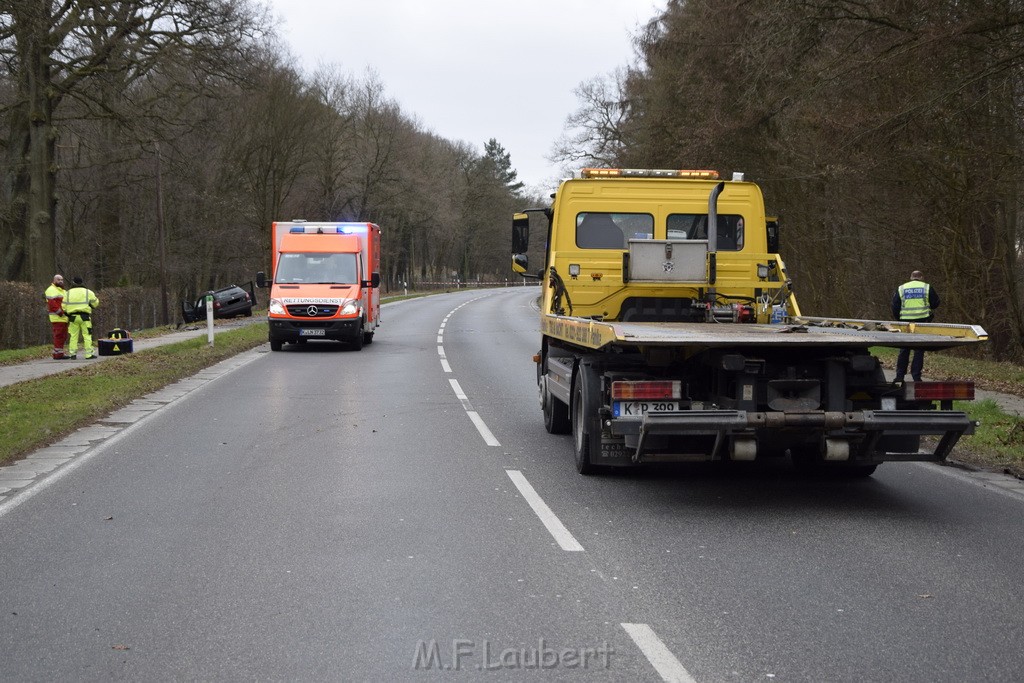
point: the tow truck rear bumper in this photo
(843, 436)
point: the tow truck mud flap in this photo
(717, 423)
(950, 425)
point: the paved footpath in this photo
(17, 479)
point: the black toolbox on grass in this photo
(118, 341)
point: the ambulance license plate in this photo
(641, 408)
(312, 332)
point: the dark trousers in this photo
(915, 367)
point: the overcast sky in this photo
(474, 69)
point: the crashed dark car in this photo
(228, 302)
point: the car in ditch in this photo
(228, 302)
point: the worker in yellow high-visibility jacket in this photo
(54, 295)
(79, 303)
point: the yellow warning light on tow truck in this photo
(646, 173)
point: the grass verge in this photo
(39, 412)
(998, 442)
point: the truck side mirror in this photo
(520, 233)
(520, 264)
(261, 279)
(375, 280)
(772, 230)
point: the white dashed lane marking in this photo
(566, 541)
(660, 657)
(474, 417)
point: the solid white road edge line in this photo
(566, 541)
(663, 661)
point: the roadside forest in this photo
(148, 144)
(886, 135)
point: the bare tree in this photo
(594, 134)
(52, 51)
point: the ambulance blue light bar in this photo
(342, 229)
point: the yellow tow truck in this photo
(670, 332)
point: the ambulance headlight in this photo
(350, 307)
(276, 307)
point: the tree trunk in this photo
(31, 255)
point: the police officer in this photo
(79, 304)
(914, 301)
(54, 295)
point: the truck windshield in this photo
(694, 226)
(317, 268)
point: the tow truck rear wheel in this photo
(584, 416)
(556, 413)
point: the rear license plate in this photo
(641, 408)
(312, 332)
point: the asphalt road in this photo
(400, 513)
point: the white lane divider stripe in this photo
(459, 393)
(478, 421)
(660, 657)
(566, 541)
(482, 428)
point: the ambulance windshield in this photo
(317, 268)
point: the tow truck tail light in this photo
(939, 391)
(646, 390)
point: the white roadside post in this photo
(209, 318)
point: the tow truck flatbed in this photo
(798, 332)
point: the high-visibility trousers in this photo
(60, 337)
(75, 326)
